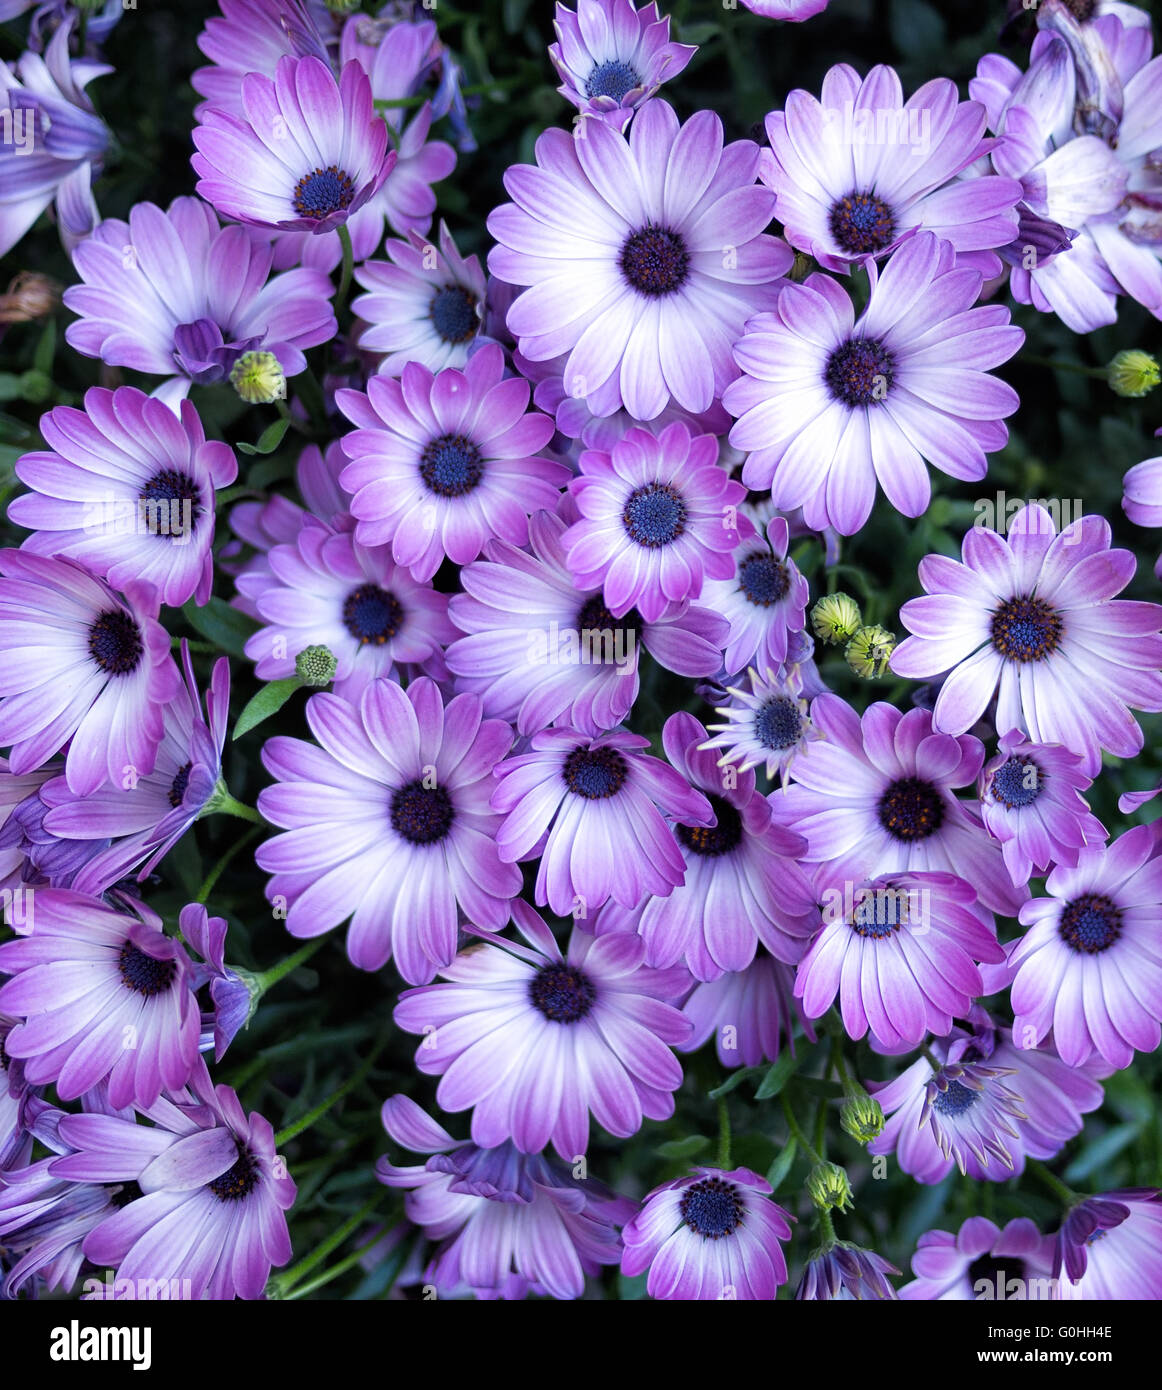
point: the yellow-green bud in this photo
(1133, 373)
(800, 267)
(836, 618)
(315, 665)
(861, 1117)
(342, 6)
(869, 651)
(258, 378)
(828, 1187)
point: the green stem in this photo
(225, 803)
(216, 872)
(826, 1228)
(348, 1262)
(821, 1130)
(723, 1159)
(285, 1282)
(195, 646)
(797, 1130)
(306, 1121)
(269, 978)
(1068, 1197)
(284, 409)
(1030, 360)
(348, 268)
(926, 1053)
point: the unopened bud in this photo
(869, 651)
(1133, 373)
(861, 1116)
(800, 267)
(342, 6)
(836, 618)
(315, 665)
(29, 296)
(828, 1187)
(258, 378)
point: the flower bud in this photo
(861, 1116)
(836, 618)
(315, 665)
(1133, 373)
(29, 296)
(828, 1187)
(258, 378)
(869, 651)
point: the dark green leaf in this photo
(269, 700)
(683, 1148)
(269, 439)
(219, 623)
(777, 1172)
(735, 1079)
(777, 1077)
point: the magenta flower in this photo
(658, 518)
(1142, 502)
(251, 36)
(750, 1013)
(845, 1272)
(1109, 1248)
(794, 11)
(982, 1261)
(766, 723)
(442, 464)
(536, 1040)
(1033, 620)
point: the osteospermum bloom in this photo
(878, 795)
(80, 663)
(749, 1013)
(328, 590)
(1142, 501)
(1031, 801)
(388, 823)
(101, 995)
(714, 1234)
(306, 153)
(251, 36)
(43, 1223)
(860, 169)
(441, 464)
(499, 1214)
(643, 258)
(1110, 1247)
(1033, 619)
(593, 810)
(127, 489)
(423, 304)
(15, 1139)
(174, 293)
(611, 57)
(982, 1261)
(536, 1039)
(827, 405)
(793, 11)
(742, 884)
(766, 725)
(538, 651)
(846, 1272)
(658, 518)
(1089, 966)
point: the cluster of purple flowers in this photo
(584, 459)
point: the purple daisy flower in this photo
(828, 405)
(846, 1272)
(500, 1215)
(750, 1013)
(388, 823)
(536, 1040)
(593, 809)
(644, 257)
(1089, 967)
(793, 11)
(1109, 1248)
(540, 652)
(251, 36)
(43, 859)
(230, 994)
(1031, 801)
(714, 1234)
(15, 1138)
(423, 304)
(214, 1193)
(658, 518)
(173, 292)
(81, 665)
(1142, 501)
(767, 724)
(144, 817)
(982, 1261)
(328, 590)
(859, 170)
(101, 996)
(611, 57)
(742, 884)
(901, 952)
(1033, 620)
(441, 464)
(877, 796)
(43, 1224)
(305, 155)
(126, 489)
(14, 793)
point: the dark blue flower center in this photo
(371, 615)
(911, 809)
(763, 579)
(1017, 782)
(988, 1267)
(655, 515)
(115, 643)
(713, 840)
(1026, 629)
(142, 974)
(322, 192)
(422, 815)
(238, 1181)
(880, 911)
(861, 223)
(655, 262)
(453, 312)
(955, 1100)
(1090, 924)
(778, 724)
(596, 617)
(611, 79)
(177, 788)
(168, 504)
(712, 1208)
(562, 993)
(1095, 1236)
(451, 465)
(860, 372)
(595, 773)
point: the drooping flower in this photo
(536, 1040)
(1142, 501)
(1033, 619)
(229, 993)
(441, 464)
(80, 664)
(794, 11)
(828, 405)
(643, 258)
(750, 1013)
(251, 36)
(714, 1234)
(767, 724)
(593, 809)
(15, 1138)
(1110, 1247)
(388, 824)
(846, 1272)
(43, 1223)
(982, 1261)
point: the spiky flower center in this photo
(595, 773)
(712, 1208)
(710, 841)
(451, 465)
(1090, 924)
(562, 993)
(861, 223)
(955, 1099)
(239, 1180)
(1026, 629)
(453, 313)
(142, 974)
(322, 192)
(778, 723)
(371, 615)
(654, 515)
(611, 79)
(763, 579)
(421, 815)
(177, 788)
(1017, 782)
(911, 809)
(115, 643)
(168, 504)
(860, 372)
(655, 262)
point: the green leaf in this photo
(269, 471)
(269, 439)
(777, 1077)
(12, 430)
(683, 1148)
(1101, 1151)
(735, 1079)
(777, 1172)
(630, 1290)
(221, 624)
(46, 349)
(269, 700)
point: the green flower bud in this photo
(342, 6)
(1133, 373)
(800, 267)
(836, 618)
(828, 1187)
(869, 651)
(316, 665)
(258, 378)
(861, 1116)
